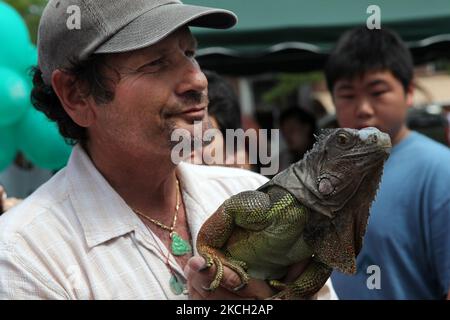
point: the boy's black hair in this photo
(361, 50)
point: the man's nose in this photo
(191, 78)
(364, 109)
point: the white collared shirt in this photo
(76, 238)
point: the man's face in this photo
(161, 88)
(376, 99)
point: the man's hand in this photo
(255, 289)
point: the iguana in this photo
(316, 210)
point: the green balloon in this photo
(39, 140)
(14, 97)
(29, 60)
(8, 148)
(15, 40)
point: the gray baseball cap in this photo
(72, 30)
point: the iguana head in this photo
(345, 170)
(339, 162)
(337, 180)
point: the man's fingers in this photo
(197, 279)
(230, 279)
(195, 264)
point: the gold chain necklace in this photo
(178, 246)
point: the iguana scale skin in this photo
(315, 210)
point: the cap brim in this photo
(158, 23)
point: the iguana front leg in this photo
(247, 210)
(307, 284)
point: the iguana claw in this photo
(208, 289)
(206, 266)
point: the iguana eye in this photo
(342, 139)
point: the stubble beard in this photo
(194, 138)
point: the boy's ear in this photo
(410, 94)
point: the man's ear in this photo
(77, 105)
(410, 94)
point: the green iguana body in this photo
(315, 210)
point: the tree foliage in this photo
(289, 83)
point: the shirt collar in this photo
(102, 213)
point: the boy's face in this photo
(375, 99)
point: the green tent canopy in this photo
(296, 35)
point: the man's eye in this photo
(152, 66)
(156, 62)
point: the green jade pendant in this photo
(179, 246)
(176, 285)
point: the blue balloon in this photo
(14, 97)
(8, 147)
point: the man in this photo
(120, 221)
(406, 251)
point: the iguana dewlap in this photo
(315, 210)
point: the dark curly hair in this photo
(89, 73)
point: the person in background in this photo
(5, 202)
(22, 178)
(297, 128)
(406, 250)
(224, 113)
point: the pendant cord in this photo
(176, 284)
(133, 239)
